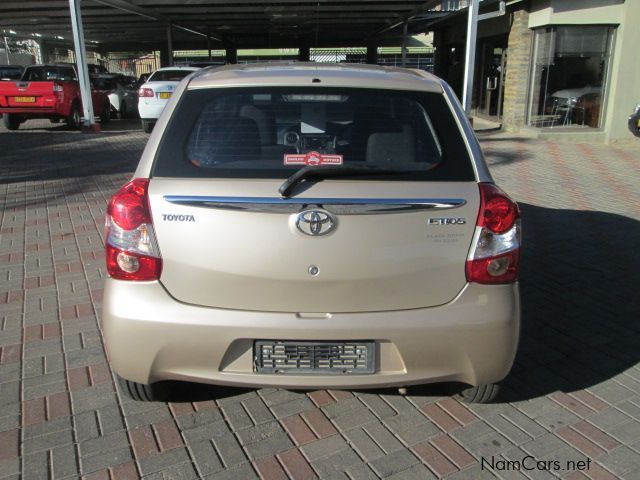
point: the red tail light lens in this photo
(131, 249)
(145, 92)
(495, 254)
(497, 211)
(129, 208)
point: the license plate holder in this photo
(291, 357)
(24, 99)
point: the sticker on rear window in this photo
(312, 158)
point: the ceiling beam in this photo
(126, 6)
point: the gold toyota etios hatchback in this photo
(312, 226)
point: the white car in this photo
(121, 92)
(154, 94)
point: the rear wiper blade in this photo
(308, 172)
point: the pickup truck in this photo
(48, 91)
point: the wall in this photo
(517, 74)
(624, 79)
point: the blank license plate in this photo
(24, 99)
(321, 358)
(165, 95)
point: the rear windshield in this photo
(169, 75)
(48, 73)
(104, 83)
(272, 132)
(10, 72)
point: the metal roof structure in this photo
(125, 25)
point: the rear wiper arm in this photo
(308, 172)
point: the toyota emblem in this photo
(315, 222)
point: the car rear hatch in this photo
(26, 94)
(220, 253)
(391, 230)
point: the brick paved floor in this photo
(574, 393)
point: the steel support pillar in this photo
(470, 55)
(372, 54)
(405, 28)
(88, 120)
(170, 44)
(231, 55)
(304, 54)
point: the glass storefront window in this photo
(569, 76)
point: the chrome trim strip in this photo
(340, 206)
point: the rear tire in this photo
(122, 113)
(73, 120)
(106, 114)
(147, 126)
(141, 392)
(481, 393)
(11, 121)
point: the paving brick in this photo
(167, 435)
(163, 460)
(9, 444)
(453, 451)
(334, 465)
(205, 457)
(295, 465)
(596, 435)
(321, 398)
(245, 472)
(268, 468)
(257, 410)
(318, 423)
(440, 417)
(383, 437)
(377, 405)
(394, 462)
(323, 447)
(236, 416)
(362, 443)
(436, 461)
(229, 450)
(298, 429)
(575, 439)
(416, 472)
(144, 442)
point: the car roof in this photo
(316, 74)
(193, 69)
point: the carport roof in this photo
(141, 24)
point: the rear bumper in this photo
(30, 110)
(150, 111)
(151, 337)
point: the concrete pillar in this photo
(516, 83)
(170, 44)
(304, 54)
(372, 54)
(231, 55)
(440, 55)
(164, 57)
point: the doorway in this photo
(493, 65)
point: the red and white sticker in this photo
(312, 158)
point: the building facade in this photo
(566, 68)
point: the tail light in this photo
(58, 90)
(495, 253)
(145, 92)
(131, 248)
